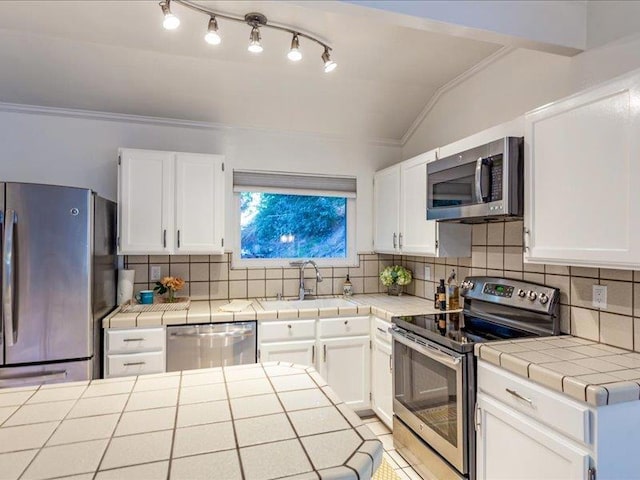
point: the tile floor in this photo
(393, 458)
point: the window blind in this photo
(294, 183)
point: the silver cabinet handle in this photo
(133, 364)
(390, 364)
(30, 377)
(11, 334)
(178, 238)
(525, 234)
(479, 180)
(381, 330)
(324, 353)
(133, 339)
(394, 239)
(313, 354)
(164, 238)
(520, 397)
(400, 240)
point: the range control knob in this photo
(521, 293)
(544, 298)
(531, 295)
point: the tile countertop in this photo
(257, 422)
(588, 371)
(204, 311)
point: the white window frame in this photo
(351, 260)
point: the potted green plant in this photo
(394, 278)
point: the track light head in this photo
(329, 65)
(254, 41)
(170, 22)
(212, 37)
(294, 53)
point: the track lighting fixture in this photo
(254, 41)
(329, 65)
(212, 37)
(255, 21)
(294, 53)
(170, 22)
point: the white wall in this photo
(514, 84)
(81, 151)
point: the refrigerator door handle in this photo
(11, 333)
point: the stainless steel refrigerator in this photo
(58, 282)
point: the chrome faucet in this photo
(303, 291)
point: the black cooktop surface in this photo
(458, 331)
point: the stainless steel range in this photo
(434, 368)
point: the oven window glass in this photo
(428, 389)
(453, 187)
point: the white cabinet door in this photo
(345, 363)
(382, 382)
(145, 202)
(386, 205)
(582, 203)
(199, 204)
(511, 446)
(301, 353)
(417, 234)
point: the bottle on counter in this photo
(442, 295)
(453, 292)
(347, 287)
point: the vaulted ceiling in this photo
(115, 56)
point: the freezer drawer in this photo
(44, 374)
(213, 345)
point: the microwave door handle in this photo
(479, 198)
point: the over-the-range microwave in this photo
(482, 184)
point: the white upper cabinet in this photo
(170, 203)
(400, 214)
(199, 203)
(145, 202)
(582, 169)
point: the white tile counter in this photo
(380, 305)
(257, 422)
(588, 371)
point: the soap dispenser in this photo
(347, 287)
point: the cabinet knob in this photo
(346, 322)
(289, 326)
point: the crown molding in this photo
(176, 122)
(477, 68)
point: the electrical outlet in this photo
(156, 271)
(599, 296)
(427, 272)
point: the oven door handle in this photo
(431, 352)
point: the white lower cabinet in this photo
(134, 351)
(525, 431)
(338, 348)
(514, 447)
(382, 382)
(345, 363)
(299, 352)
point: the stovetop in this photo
(458, 331)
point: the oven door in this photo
(429, 395)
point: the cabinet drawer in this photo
(288, 330)
(134, 364)
(134, 340)
(381, 329)
(560, 413)
(345, 326)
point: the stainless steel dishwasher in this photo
(212, 345)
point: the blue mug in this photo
(145, 297)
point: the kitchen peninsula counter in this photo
(257, 422)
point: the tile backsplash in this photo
(496, 250)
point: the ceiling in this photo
(114, 56)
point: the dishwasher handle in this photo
(231, 334)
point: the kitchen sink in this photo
(311, 303)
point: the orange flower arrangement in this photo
(171, 285)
